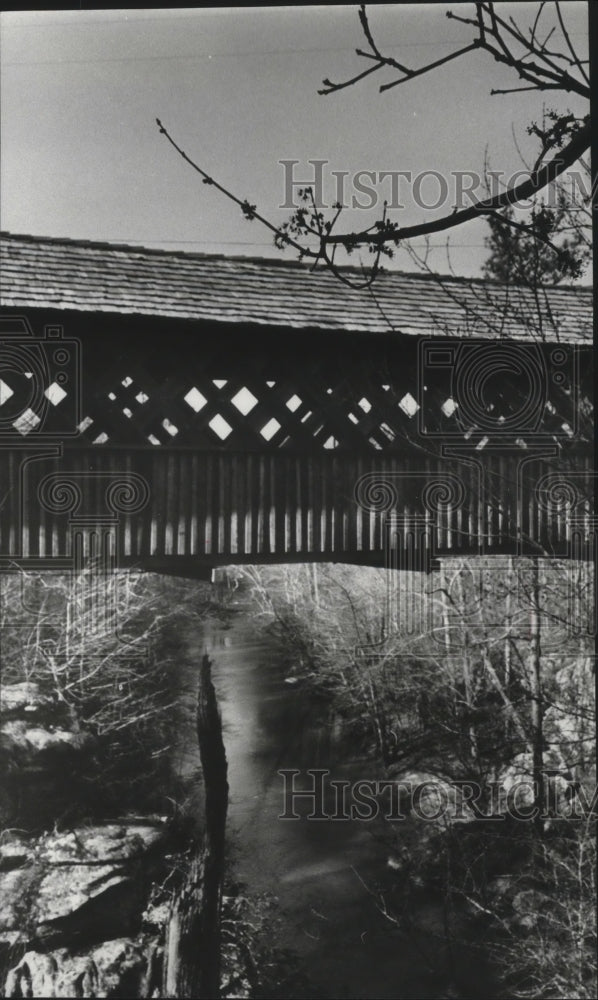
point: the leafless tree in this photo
(541, 58)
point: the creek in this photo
(326, 874)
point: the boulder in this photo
(528, 906)
(28, 744)
(14, 853)
(432, 798)
(515, 786)
(43, 752)
(119, 967)
(25, 699)
(106, 843)
(82, 884)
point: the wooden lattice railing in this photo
(111, 386)
(191, 444)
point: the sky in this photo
(82, 156)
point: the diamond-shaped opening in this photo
(293, 403)
(448, 407)
(195, 399)
(409, 405)
(244, 400)
(353, 418)
(111, 396)
(219, 382)
(127, 412)
(365, 405)
(101, 438)
(26, 422)
(388, 431)
(331, 442)
(269, 430)
(5, 392)
(152, 439)
(127, 381)
(85, 423)
(220, 426)
(171, 428)
(141, 397)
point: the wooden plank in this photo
(280, 471)
(234, 502)
(169, 508)
(271, 476)
(324, 500)
(311, 503)
(293, 504)
(337, 506)
(261, 497)
(183, 462)
(248, 504)
(254, 486)
(354, 509)
(305, 502)
(224, 465)
(289, 502)
(211, 524)
(195, 544)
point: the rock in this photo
(107, 843)
(36, 727)
(515, 785)
(119, 967)
(43, 757)
(501, 887)
(529, 904)
(530, 901)
(64, 890)
(86, 883)
(16, 888)
(433, 799)
(14, 853)
(25, 698)
(156, 915)
(516, 779)
(26, 743)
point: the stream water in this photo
(325, 874)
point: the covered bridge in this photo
(197, 410)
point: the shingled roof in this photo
(84, 276)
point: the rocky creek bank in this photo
(77, 915)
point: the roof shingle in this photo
(102, 277)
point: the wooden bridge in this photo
(180, 411)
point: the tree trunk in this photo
(192, 953)
(535, 680)
(467, 673)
